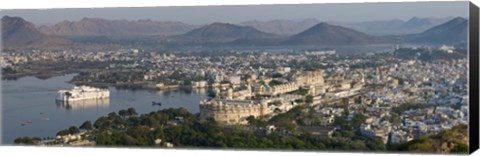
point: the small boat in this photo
(29, 121)
(156, 103)
(23, 124)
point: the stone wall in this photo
(232, 111)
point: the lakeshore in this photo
(32, 99)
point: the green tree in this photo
(274, 83)
(73, 130)
(309, 99)
(276, 75)
(63, 132)
(87, 125)
(395, 119)
(112, 115)
(27, 140)
(123, 113)
(460, 148)
(102, 122)
(357, 120)
(68, 95)
(132, 111)
(261, 82)
(359, 145)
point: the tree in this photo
(274, 83)
(357, 120)
(27, 140)
(309, 99)
(211, 94)
(87, 125)
(73, 130)
(128, 140)
(102, 122)
(277, 75)
(261, 82)
(123, 113)
(256, 122)
(112, 115)
(359, 145)
(63, 132)
(132, 111)
(395, 119)
(460, 148)
(68, 94)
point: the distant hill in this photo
(221, 33)
(115, 28)
(17, 31)
(282, 27)
(98, 33)
(378, 27)
(327, 34)
(451, 32)
(395, 26)
(416, 24)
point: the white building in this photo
(82, 93)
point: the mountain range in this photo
(327, 34)
(451, 32)
(379, 27)
(221, 33)
(17, 32)
(115, 28)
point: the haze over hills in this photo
(327, 34)
(103, 33)
(103, 27)
(451, 32)
(396, 26)
(222, 33)
(119, 28)
(282, 27)
(18, 32)
(380, 27)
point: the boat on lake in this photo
(156, 103)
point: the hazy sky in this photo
(349, 12)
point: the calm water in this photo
(32, 99)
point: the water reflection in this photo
(33, 99)
(200, 90)
(83, 104)
(187, 91)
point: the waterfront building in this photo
(82, 93)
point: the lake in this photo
(31, 101)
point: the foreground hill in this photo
(448, 141)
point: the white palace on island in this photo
(82, 93)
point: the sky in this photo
(346, 12)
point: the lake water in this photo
(31, 101)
